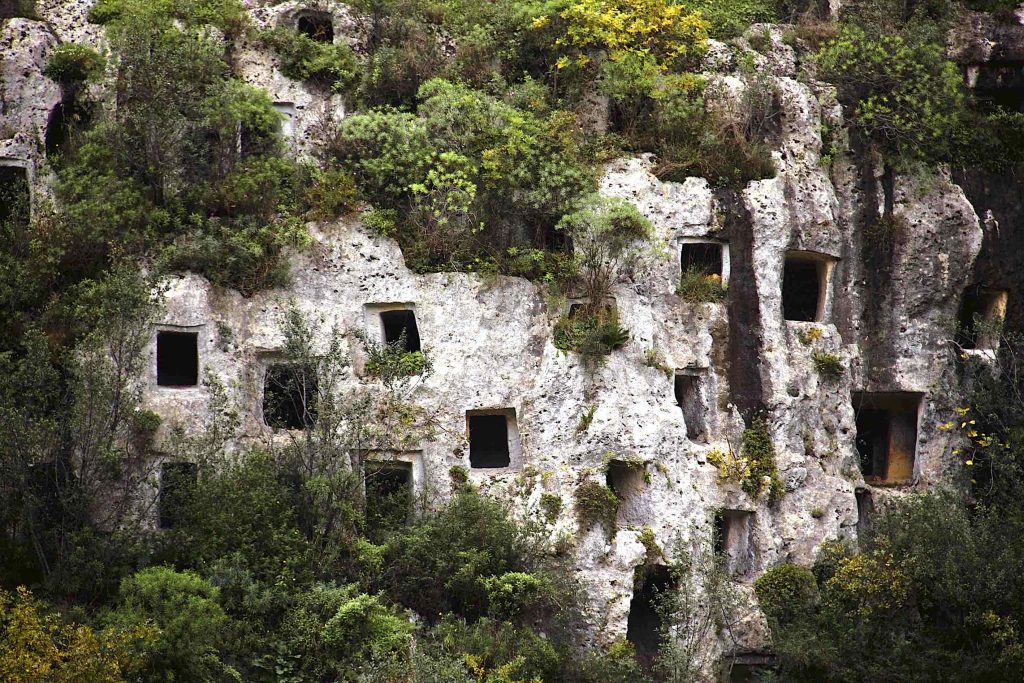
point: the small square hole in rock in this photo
(733, 531)
(704, 257)
(389, 491)
(316, 25)
(177, 359)
(803, 288)
(488, 441)
(289, 397)
(400, 325)
(887, 435)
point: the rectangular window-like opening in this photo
(981, 313)
(15, 197)
(733, 532)
(704, 257)
(625, 479)
(316, 25)
(399, 325)
(289, 397)
(488, 440)
(751, 668)
(177, 481)
(389, 493)
(645, 623)
(690, 399)
(177, 359)
(887, 435)
(804, 285)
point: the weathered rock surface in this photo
(887, 316)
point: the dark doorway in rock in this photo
(389, 490)
(865, 508)
(751, 668)
(488, 440)
(57, 130)
(15, 198)
(887, 435)
(733, 540)
(803, 288)
(177, 482)
(981, 311)
(289, 396)
(704, 257)
(177, 359)
(316, 25)
(397, 323)
(1000, 85)
(651, 583)
(624, 478)
(690, 399)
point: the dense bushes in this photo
(470, 176)
(329, 65)
(907, 97)
(931, 594)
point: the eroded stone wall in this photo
(491, 344)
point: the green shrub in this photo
(37, 645)
(71, 62)
(363, 628)
(828, 365)
(438, 564)
(730, 18)
(470, 175)
(905, 96)
(551, 504)
(390, 362)
(328, 65)
(513, 594)
(333, 193)
(596, 504)
(758, 452)
(227, 15)
(665, 113)
(192, 624)
(595, 336)
(786, 591)
(695, 286)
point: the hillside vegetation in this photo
(479, 158)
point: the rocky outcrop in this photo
(884, 315)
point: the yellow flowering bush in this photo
(657, 28)
(37, 647)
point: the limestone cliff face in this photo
(887, 311)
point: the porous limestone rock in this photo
(490, 339)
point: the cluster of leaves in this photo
(70, 62)
(907, 96)
(591, 335)
(327, 64)
(828, 365)
(391, 362)
(36, 645)
(889, 64)
(754, 468)
(596, 504)
(696, 286)
(469, 176)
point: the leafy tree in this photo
(191, 624)
(906, 97)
